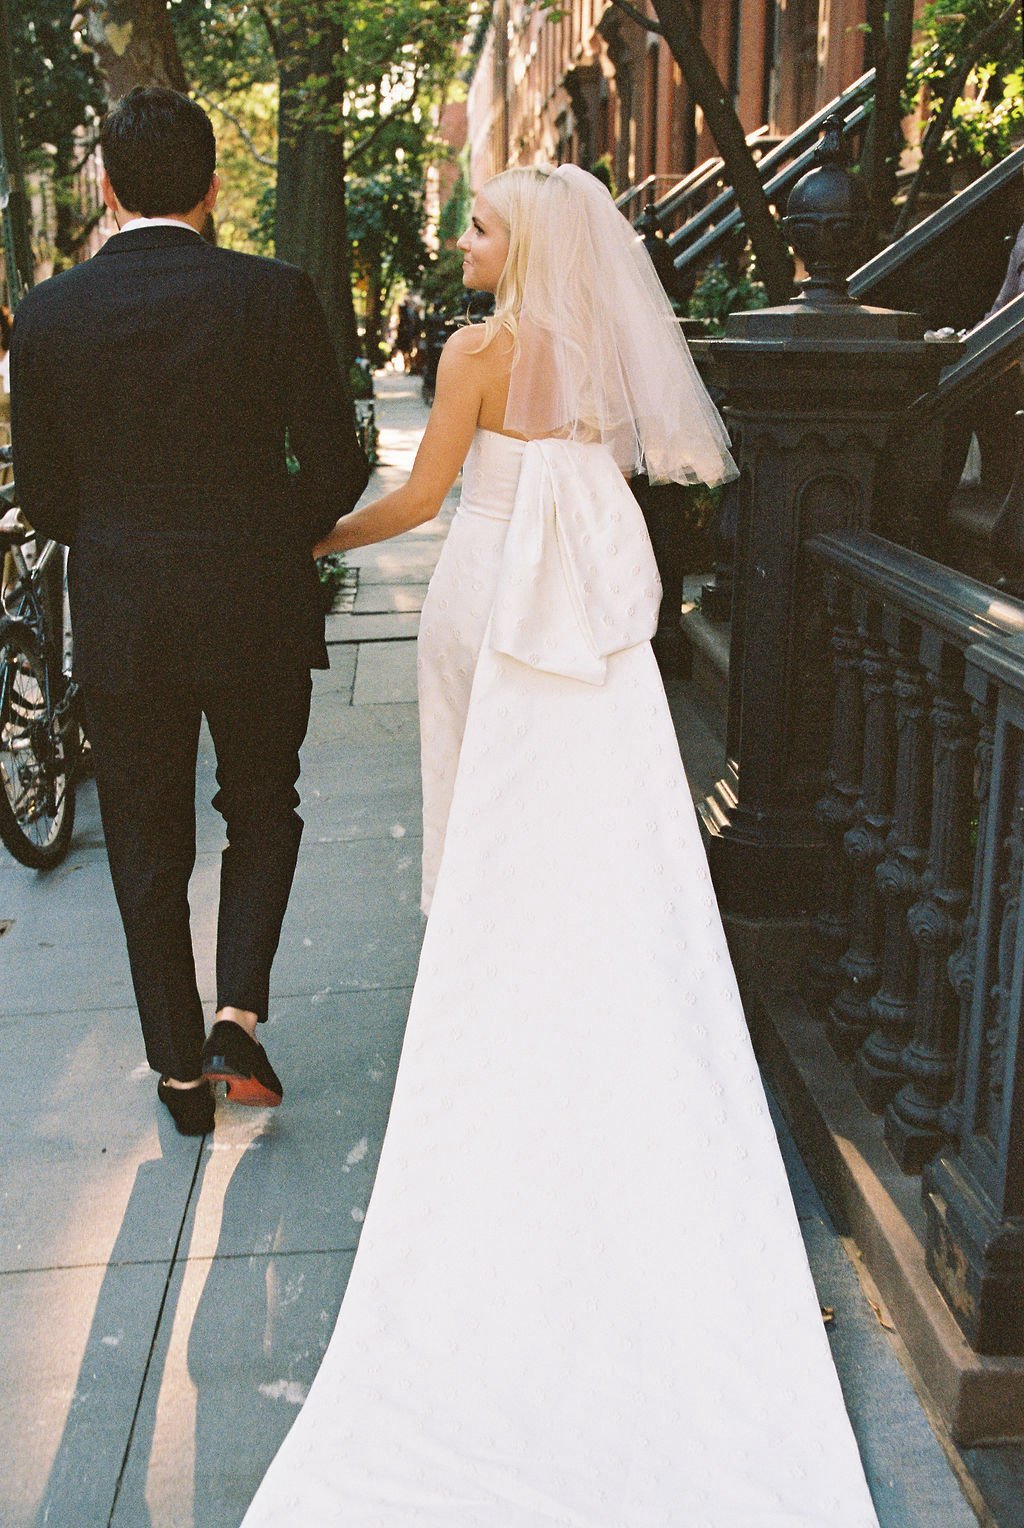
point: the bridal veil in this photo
(600, 355)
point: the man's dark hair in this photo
(159, 151)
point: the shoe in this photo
(233, 1057)
(190, 1108)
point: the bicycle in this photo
(41, 737)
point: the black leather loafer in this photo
(190, 1108)
(232, 1057)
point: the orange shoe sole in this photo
(246, 1090)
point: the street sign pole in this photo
(13, 199)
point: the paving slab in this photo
(93, 1171)
(353, 920)
(298, 1179)
(376, 599)
(239, 1346)
(66, 948)
(337, 680)
(911, 1479)
(695, 722)
(372, 579)
(382, 732)
(351, 791)
(409, 559)
(76, 1343)
(390, 626)
(386, 673)
(360, 775)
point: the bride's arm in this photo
(442, 451)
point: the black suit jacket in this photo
(153, 390)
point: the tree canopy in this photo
(59, 93)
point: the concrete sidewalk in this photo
(164, 1304)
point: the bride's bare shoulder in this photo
(468, 344)
(478, 371)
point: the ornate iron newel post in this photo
(812, 391)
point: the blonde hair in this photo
(513, 196)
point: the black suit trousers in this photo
(145, 746)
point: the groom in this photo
(155, 391)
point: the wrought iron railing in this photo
(700, 238)
(920, 971)
(949, 267)
(688, 191)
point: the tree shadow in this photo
(78, 1485)
(261, 1327)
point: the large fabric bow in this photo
(578, 579)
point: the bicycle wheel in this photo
(37, 794)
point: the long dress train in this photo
(581, 1295)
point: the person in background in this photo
(1013, 281)
(6, 329)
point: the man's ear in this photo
(210, 199)
(109, 194)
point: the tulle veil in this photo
(600, 355)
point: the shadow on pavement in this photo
(261, 1326)
(77, 1476)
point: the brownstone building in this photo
(596, 83)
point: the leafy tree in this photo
(890, 27)
(246, 128)
(59, 93)
(226, 56)
(134, 45)
(678, 25)
(354, 77)
(979, 42)
(356, 83)
(385, 218)
(441, 281)
(454, 219)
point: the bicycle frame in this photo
(22, 599)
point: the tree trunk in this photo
(134, 45)
(374, 310)
(311, 223)
(892, 33)
(774, 261)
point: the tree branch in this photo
(682, 34)
(359, 149)
(243, 132)
(647, 22)
(83, 232)
(271, 31)
(879, 44)
(937, 127)
(87, 152)
(892, 36)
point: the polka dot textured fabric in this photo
(581, 1296)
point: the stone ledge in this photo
(980, 1400)
(709, 646)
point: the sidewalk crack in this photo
(156, 1333)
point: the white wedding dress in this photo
(581, 1295)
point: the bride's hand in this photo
(326, 546)
(442, 450)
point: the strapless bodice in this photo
(490, 475)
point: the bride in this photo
(581, 1295)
